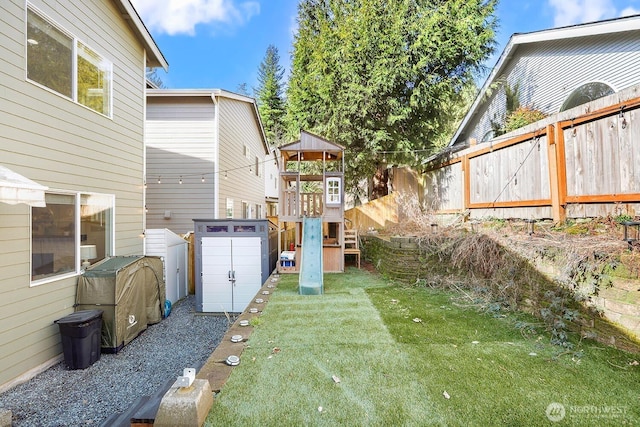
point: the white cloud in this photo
(570, 12)
(182, 16)
(629, 11)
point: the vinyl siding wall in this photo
(65, 146)
(548, 73)
(181, 141)
(238, 126)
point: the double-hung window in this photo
(229, 208)
(65, 228)
(60, 62)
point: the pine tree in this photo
(270, 95)
(383, 77)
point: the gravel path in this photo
(62, 397)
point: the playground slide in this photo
(310, 281)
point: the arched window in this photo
(487, 136)
(585, 93)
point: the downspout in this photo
(216, 157)
(144, 160)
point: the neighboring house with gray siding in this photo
(71, 119)
(555, 70)
(206, 156)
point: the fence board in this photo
(596, 166)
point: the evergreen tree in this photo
(243, 89)
(385, 77)
(154, 78)
(270, 95)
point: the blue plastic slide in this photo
(311, 280)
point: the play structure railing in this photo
(310, 204)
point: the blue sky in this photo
(220, 43)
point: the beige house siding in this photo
(239, 127)
(181, 142)
(65, 146)
(196, 134)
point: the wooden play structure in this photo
(312, 186)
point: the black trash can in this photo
(81, 334)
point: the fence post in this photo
(557, 171)
(466, 182)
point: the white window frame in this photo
(229, 209)
(332, 196)
(104, 64)
(110, 235)
(246, 210)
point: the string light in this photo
(159, 181)
(202, 178)
(180, 180)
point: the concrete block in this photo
(5, 417)
(185, 406)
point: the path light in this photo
(530, 226)
(259, 300)
(627, 232)
(233, 360)
(236, 338)
(244, 323)
(253, 310)
(265, 292)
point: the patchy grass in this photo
(398, 352)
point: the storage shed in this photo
(174, 251)
(131, 293)
(233, 258)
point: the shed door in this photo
(231, 272)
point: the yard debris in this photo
(417, 320)
(319, 408)
(533, 354)
(275, 350)
(394, 301)
(634, 363)
(475, 342)
(336, 379)
(446, 395)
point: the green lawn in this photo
(410, 356)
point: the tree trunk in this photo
(379, 182)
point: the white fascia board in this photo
(154, 55)
(181, 92)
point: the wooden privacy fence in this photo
(583, 162)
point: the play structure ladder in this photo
(351, 244)
(311, 279)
